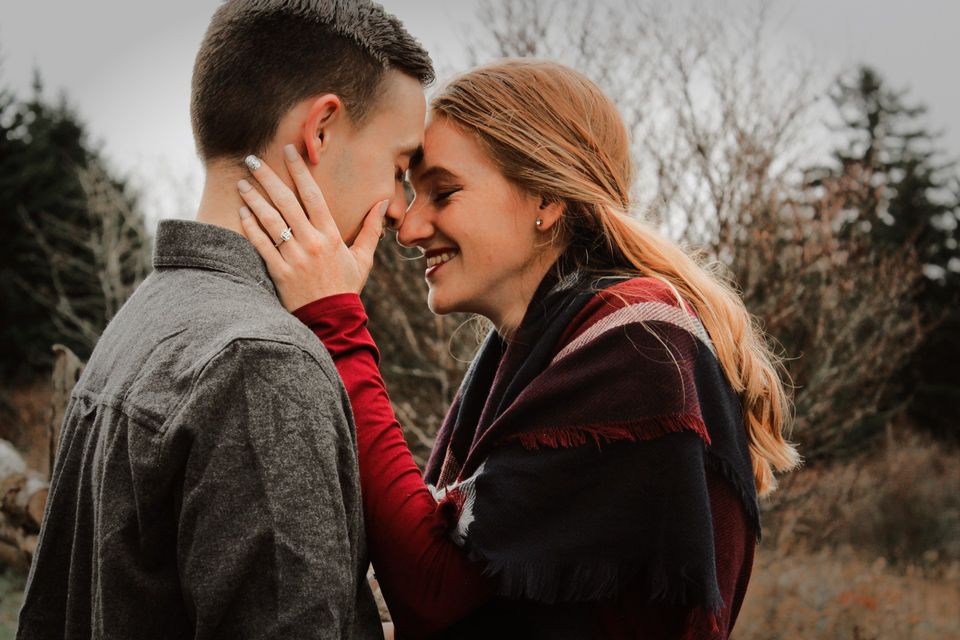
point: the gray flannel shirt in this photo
(206, 484)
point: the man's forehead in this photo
(403, 100)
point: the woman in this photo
(598, 472)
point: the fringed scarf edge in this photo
(550, 583)
(633, 431)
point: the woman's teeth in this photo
(441, 258)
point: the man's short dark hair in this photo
(260, 57)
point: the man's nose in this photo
(395, 213)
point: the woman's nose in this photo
(415, 227)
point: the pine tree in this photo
(913, 201)
(52, 277)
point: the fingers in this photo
(370, 233)
(272, 221)
(262, 243)
(280, 195)
(310, 193)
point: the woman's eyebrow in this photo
(434, 172)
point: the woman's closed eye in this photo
(438, 196)
(442, 195)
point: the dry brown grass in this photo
(869, 548)
(900, 501)
(838, 594)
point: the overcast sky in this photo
(126, 64)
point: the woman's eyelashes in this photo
(438, 196)
(441, 195)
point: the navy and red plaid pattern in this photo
(574, 462)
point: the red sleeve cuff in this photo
(335, 305)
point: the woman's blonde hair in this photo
(553, 133)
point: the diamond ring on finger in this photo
(285, 235)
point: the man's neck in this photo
(220, 202)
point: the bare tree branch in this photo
(109, 253)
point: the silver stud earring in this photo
(539, 222)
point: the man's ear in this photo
(323, 112)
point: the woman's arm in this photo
(427, 580)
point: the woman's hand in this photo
(310, 261)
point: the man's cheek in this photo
(350, 235)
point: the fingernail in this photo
(244, 212)
(383, 207)
(253, 162)
(291, 152)
(244, 186)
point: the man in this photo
(206, 484)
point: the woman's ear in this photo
(324, 112)
(548, 213)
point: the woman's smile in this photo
(436, 258)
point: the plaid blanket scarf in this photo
(572, 461)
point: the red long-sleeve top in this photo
(426, 579)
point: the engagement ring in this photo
(284, 236)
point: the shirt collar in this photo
(186, 243)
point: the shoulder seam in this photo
(248, 339)
(199, 374)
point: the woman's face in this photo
(483, 250)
